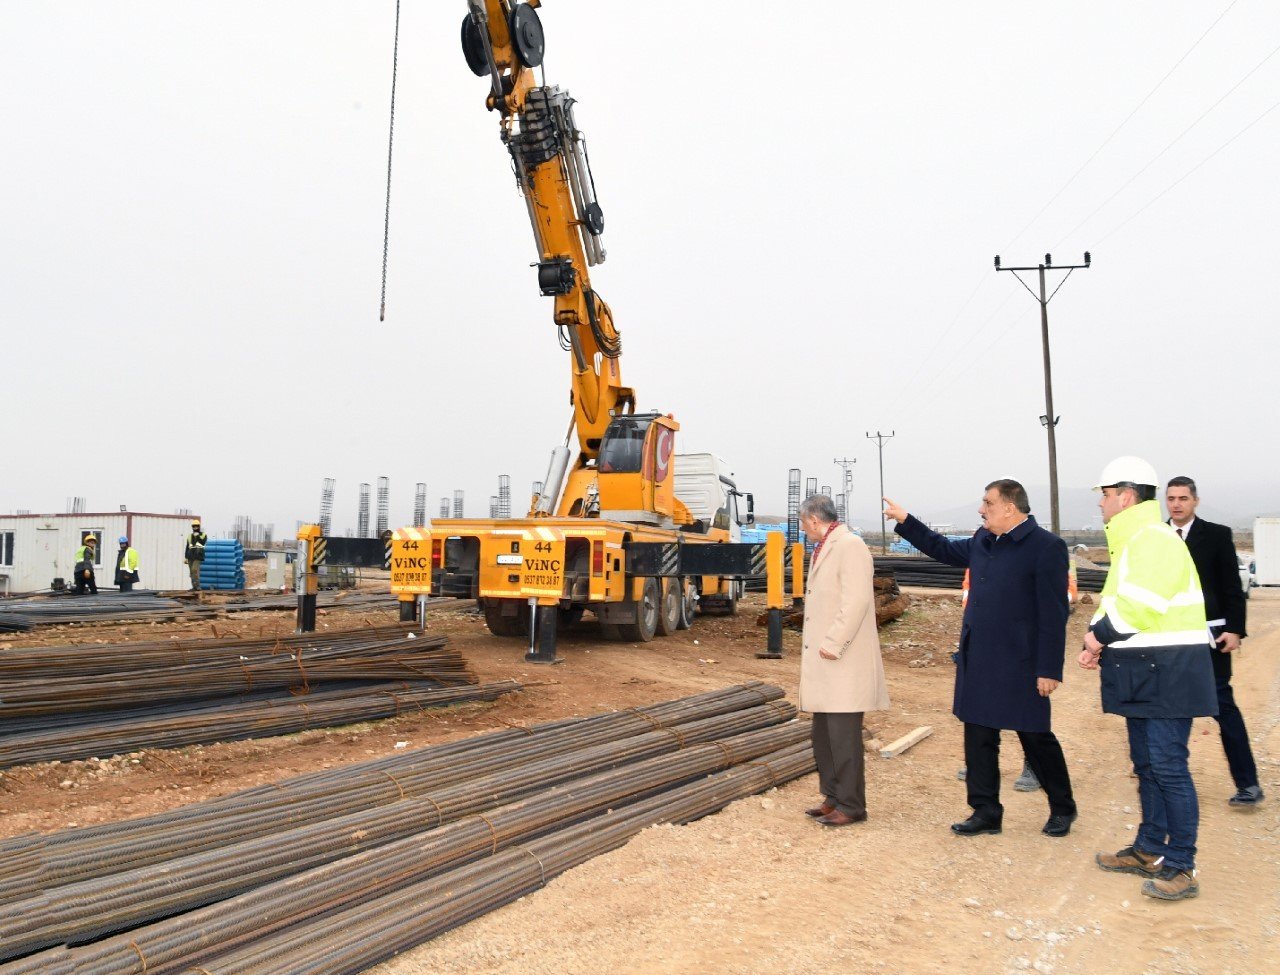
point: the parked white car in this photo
(1248, 574)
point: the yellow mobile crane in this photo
(607, 531)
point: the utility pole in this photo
(1050, 420)
(880, 438)
(846, 483)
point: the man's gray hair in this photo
(818, 506)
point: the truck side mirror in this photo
(751, 509)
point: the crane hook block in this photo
(526, 35)
(473, 48)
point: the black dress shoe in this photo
(975, 826)
(1058, 825)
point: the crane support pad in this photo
(361, 553)
(734, 559)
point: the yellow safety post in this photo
(775, 586)
(309, 555)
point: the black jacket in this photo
(1214, 553)
(1015, 622)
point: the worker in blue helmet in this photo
(126, 565)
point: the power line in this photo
(922, 362)
(1154, 159)
(1188, 173)
(1118, 128)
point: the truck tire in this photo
(647, 611)
(688, 603)
(670, 610)
(506, 625)
(726, 605)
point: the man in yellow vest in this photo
(126, 565)
(1149, 638)
(194, 553)
(84, 566)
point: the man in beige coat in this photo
(841, 673)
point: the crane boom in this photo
(503, 40)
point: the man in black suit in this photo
(1214, 554)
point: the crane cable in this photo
(386, 219)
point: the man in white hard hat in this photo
(1149, 638)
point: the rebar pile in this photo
(62, 703)
(21, 614)
(911, 570)
(368, 883)
(18, 614)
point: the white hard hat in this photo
(1127, 470)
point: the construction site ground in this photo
(758, 887)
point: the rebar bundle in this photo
(384, 506)
(420, 504)
(326, 505)
(63, 703)
(793, 505)
(345, 889)
(362, 512)
(912, 570)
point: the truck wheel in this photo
(725, 605)
(670, 609)
(688, 603)
(647, 612)
(571, 616)
(730, 605)
(508, 624)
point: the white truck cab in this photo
(707, 487)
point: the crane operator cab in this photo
(635, 469)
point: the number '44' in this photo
(542, 547)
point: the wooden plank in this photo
(906, 741)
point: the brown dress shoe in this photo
(817, 812)
(837, 818)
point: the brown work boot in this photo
(1130, 860)
(1172, 884)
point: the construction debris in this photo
(891, 603)
(906, 741)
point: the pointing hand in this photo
(893, 510)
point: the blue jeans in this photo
(1170, 810)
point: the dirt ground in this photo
(758, 887)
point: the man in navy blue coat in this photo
(1012, 644)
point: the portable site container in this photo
(1266, 550)
(37, 549)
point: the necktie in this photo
(1179, 531)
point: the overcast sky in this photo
(802, 204)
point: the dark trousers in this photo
(1170, 809)
(1235, 739)
(82, 581)
(1044, 755)
(837, 751)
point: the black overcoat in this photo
(1015, 620)
(1214, 552)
